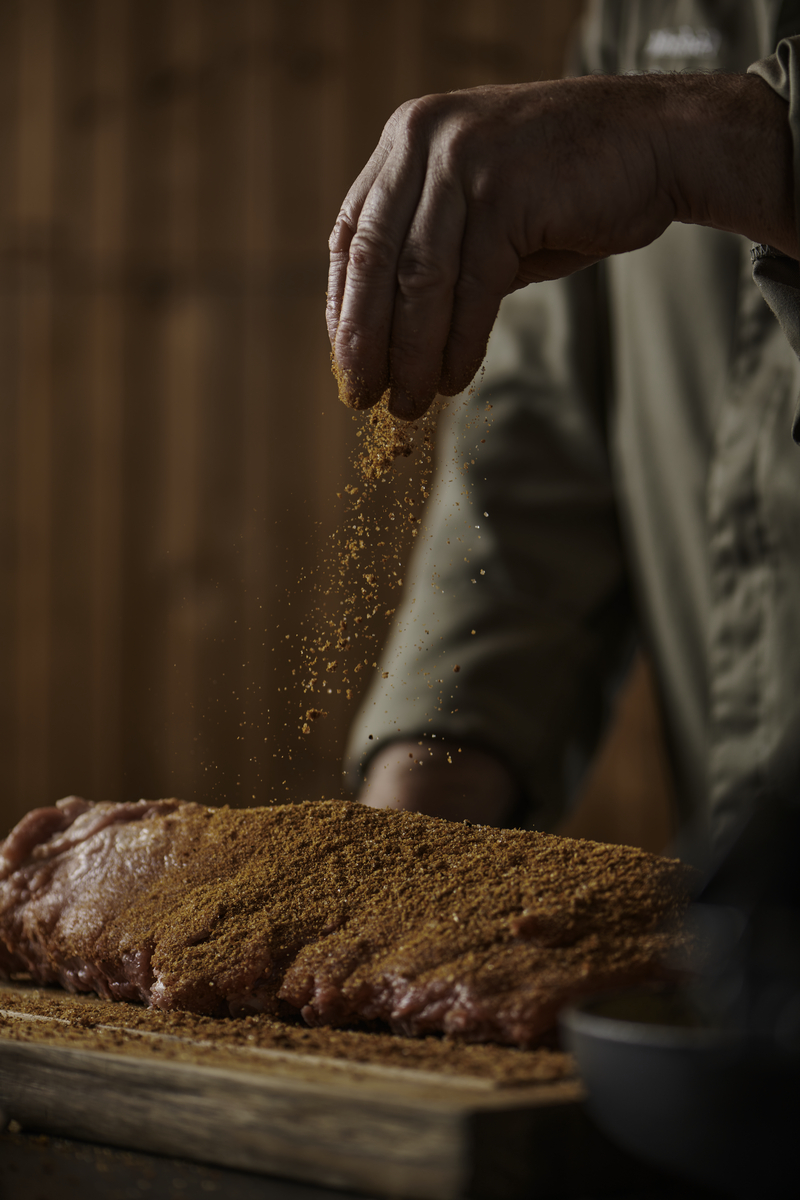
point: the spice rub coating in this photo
(342, 912)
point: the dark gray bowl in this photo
(710, 1106)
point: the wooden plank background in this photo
(170, 439)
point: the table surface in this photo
(47, 1168)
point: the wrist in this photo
(730, 157)
(441, 779)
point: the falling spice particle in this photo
(363, 558)
(359, 565)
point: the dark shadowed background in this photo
(170, 439)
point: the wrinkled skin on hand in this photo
(471, 195)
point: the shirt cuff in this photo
(781, 71)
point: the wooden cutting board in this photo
(378, 1129)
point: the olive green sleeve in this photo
(777, 275)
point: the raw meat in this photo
(342, 912)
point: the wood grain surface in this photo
(384, 1130)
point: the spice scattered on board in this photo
(85, 1022)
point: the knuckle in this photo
(417, 110)
(371, 250)
(349, 336)
(414, 120)
(420, 272)
(485, 189)
(471, 286)
(341, 233)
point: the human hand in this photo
(473, 194)
(440, 780)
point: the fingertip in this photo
(408, 405)
(449, 387)
(457, 377)
(353, 391)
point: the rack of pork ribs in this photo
(335, 911)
